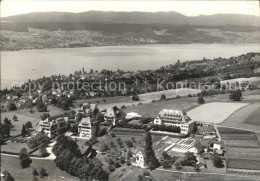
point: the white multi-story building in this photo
(84, 128)
(175, 118)
(52, 126)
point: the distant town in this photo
(201, 121)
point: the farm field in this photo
(168, 175)
(244, 164)
(254, 118)
(12, 165)
(215, 112)
(245, 118)
(168, 93)
(238, 137)
(152, 109)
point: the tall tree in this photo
(24, 131)
(150, 158)
(25, 160)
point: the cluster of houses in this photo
(204, 143)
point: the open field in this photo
(244, 118)
(168, 93)
(12, 164)
(254, 117)
(23, 116)
(215, 112)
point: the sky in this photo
(188, 8)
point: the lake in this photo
(25, 64)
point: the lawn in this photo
(23, 116)
(215, 112)
(12, 165)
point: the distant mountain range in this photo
(170, 18)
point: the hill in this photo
(171, 18)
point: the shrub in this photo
(163, 97)
(216, 160)
(12, 107)
(200, 100)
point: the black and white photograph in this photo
(130, 90)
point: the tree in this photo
(35, 173)
(150, 158)
(14, 117)
(39, 139)
(74, 129)
(129, 154)
(44, 152)
(201, 100)
(236, 95)
(7, 122)
(24, 131)
(41, 107)
(5, 130)
(12, 107)
(163, 97)
(165, 155)
(25, 161)
(102, 132)
(189, 159)
(216, 160)
(28, 125)
(7, 176)
(43, 173)
(129, 144)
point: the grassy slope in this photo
(12, 165)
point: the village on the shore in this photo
(139, 133)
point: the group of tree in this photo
(173, 129)
(236, 95)
(41, 106)
(69, 159)
(189, 159)
(150, 158)
(43, 173)
(167, 160)
(26, 128)
(37, 140)
(24, 158)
